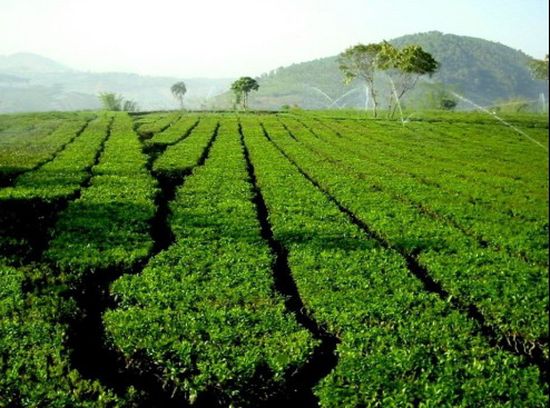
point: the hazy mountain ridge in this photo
(30, 82)
(25, 62)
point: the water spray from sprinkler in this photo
(493, 114)
(322, 93)
(403, 121)
(343, 96)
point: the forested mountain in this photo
(480, 69)
(483, 71)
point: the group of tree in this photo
(402, 67)
(114, 102)
(241, 88)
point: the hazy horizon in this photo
(214, 39)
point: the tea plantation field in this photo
(277, 259)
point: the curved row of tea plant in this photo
(204, 310)
(29, 206)
(437, 117)
(181, 157)
(151, 124)
(469, 152)
(62, 176)
(175, 132)
(477, 275)
(109, 224)
(526, 237)
(400, 346)
(26, 141)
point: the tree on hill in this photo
(241, 88)
(539, 68)
(179, 90)
(404, 67)
(361, 61)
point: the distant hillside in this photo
(21, 63)
(30, 82)
(481, 70)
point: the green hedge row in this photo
(62, 176)
(524, 238)
(109, 224)
(183, 156)
(155, 122)
(176, 131)
(26, 141)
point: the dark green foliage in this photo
(447, 103)
(148, 125)
(482, 70)
(449, 236)
(30, 204)
(184, 155)
(34, 367)
(63, 175)
(412, 59)
(403, 68)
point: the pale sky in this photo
(229, 38)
